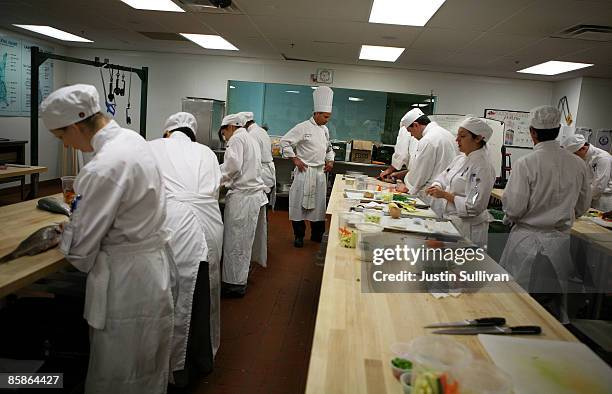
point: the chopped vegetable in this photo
(348, 237)
(401, 197)
(401, 363)
(372, 218)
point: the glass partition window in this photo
(357, 114)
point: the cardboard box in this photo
(361, 151)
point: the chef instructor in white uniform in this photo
(192, 179)
(462, 191)
(599, 163)
(435, 151)
(547, 190)
(401, 153)
(245, 206)
(116, 236)
(308, 146)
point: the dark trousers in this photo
(316, 229)
(199, 358)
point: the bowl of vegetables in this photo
(401, 366)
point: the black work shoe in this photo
(299, 242)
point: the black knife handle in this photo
(525, 330)
(490, 321)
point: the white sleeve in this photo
(329, 153)
(516, 195)
(421, 172)
(601, 176)
(232, 161)
(91, 220)
(290, 140)
(477, 192)
(401, 154)
(585, 196)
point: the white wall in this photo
(595, 106)
(571, 89)
(18, 128)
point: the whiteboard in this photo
(516, 126)
(451, 123)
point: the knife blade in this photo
(494, 330)
(481, 322)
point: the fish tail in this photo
(7, 258)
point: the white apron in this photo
(268, 175)
(242, 210)
(129, 306)
(297, 212)
(205, 211)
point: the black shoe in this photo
(299, 242)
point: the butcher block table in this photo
(18, 222)
(19, 173)
(354, 330)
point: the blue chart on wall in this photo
(15, 72)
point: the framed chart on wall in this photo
(516, 126)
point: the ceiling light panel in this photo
(209, 41)
(154, 5)
(382, 54)
(53, 32)
(404, 12)
(553, 67)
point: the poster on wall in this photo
(516, 126)
(15, 76)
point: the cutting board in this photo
(539, 366)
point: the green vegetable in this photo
(372, 218)
(400, 197)
(401, 363)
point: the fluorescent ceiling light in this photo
(430, 100)
(355, 99)
(553, 67)
(154, 5)
(404, 12)
(313, 87)
(209, 41)
(53, 32)
(383, 54)
(232, 87)
(420, 105)
(292, 91)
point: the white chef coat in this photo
(192, 178)
(116, 236)
(310, 143)
(600, 163)
(268, 174)
(470, 178)
(241, 174)
(401, 155)
(434, 153)
(547, 190)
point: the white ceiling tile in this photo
(444, 39)
(476, 15)
(498, 44)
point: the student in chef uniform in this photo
(599, 163)
(401, 154)
(265, 146)
(435, 151)
(547, 190)
(307, 145)
(192, 179)
(116, 236)
(245, 205)
(461, 192)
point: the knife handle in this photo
(525, 330)
(490, 321)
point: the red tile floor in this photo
(266, 336)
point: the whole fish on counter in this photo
(53, 205)
(39, 241)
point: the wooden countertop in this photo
(19, 171)
(354, 330)
(19, 221)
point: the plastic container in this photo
(68, 189)
(433, 359)
(373, 216)
(367, 240)
(347, 233)
(361, 182)
(405, 381)
(481, 377)
(400, 350)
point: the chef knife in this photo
(483, 321)
(495, 330)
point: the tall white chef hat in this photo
(247, 116)
(323, 98)
(545, 117)
(69, 105)
(477, 126)
(233, 120)
(410, 117)
(181, 119)
(573, 142)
